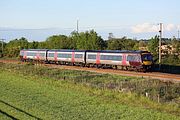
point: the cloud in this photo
(169, 27)
(178, 27)
(149, 28)
(144, 28)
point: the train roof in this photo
(66, 50)
(35, 49)
(119, 51)
(101, 51)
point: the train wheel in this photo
(97, 66)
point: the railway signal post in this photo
(160, 32)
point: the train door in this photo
(37, 55)
(55, 56)
(124, 60)
(73, 57)
(98, 58)
(25, 55)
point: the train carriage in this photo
(33, 54)
(66, 56)
(103, 57)
(116, 58)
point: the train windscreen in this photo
(147, 57)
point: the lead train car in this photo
(137, 60)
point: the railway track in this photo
(151, 75)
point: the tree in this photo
(58, 42)
(13, 48)
(88, 40)
(2, 46)
(33, 45)
(176, 45)
(153, 45)
(122, 44)
(114, 45)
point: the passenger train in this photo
(118, 59)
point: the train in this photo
(117, 59)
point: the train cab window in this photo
(91, 56)
(78, 55)
(147, 57)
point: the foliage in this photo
(58, 42)
(2, 46)
(153, 45)
(176, 45)
(171, 60)
(13, 48)
(33, 45)
(88, 40)
(122, 44)
(34, 97)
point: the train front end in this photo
(147, 60)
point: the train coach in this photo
(129, 60)
(71, 57)
(33, 55)
(119, 59)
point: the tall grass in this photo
(123, 89)
(34, 97)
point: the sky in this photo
(137, 19)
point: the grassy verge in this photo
(156, 90)
(33, 92)
(8, 58)
(40, 98)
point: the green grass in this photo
(26, 97)
(168, 92)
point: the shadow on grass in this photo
(17, 110)
(4, 113)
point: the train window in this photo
(60, 55)
(147, 57)
(31, 54)
(133, 58)
(21, 53)
(91, 56)
(78, 55)
(69, 55)
(28, 54)
(42, 54)
(111, 57)
(51, 54)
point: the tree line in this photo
(89, 40)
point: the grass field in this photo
(37, 97)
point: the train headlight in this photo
(147, 62)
